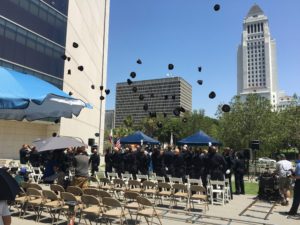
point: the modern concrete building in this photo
(109, 119)
(34, 34)
(256, 58)
(160, 96)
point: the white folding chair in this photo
(126, 177)
(36, 174)
(194, 182)
(139, 177)
(112, 175)
(217, 188)
(175, 180)
(160, 179)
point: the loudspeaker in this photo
(91, 141)
(255, 144)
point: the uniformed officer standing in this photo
(179, 165)
(94, 160)
(216, 164)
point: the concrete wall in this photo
(13, 134)
(87, 26)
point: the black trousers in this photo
(296, 199)
(239, 183)
(228, 176)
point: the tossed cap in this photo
(181, 109)
(159, 124)
(199, 68)
(80, 68)
(141, 97)
(129, 82)
(69, 71)
(176, 112)
(165, 115)
(139, 61)
(133, 74)
(70, 93)
(57, 121)
(75, 45)
(102, 98)
(226, 108)
(145, 107)
(200, 82)
(107, 91)
(212, 95)
(170, 66)
(93, 86)
(134, 89)
(101, 88)
(173, 97)
(184, 120)
(166, 97)
(64, 57)
(69, 59)
(97, 134)
(217, 7)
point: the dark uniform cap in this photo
(212, 95)
(133, 74)
(69, 59)
(217, 7)
(97, 134)
(181, 109)
(199, 68)
(101, 98)
(70, 93)
(64, 57)
(170, 66)
(101, 87)
(159, 124)
(129, 82)
(139, 61)
(107, 91)
(166, 97)
(176, 112)
(173, 97)
(200, 82)
(145, 107)
(226, 108)
(93, 86)
(141, 97)
(134, 89)
(80, 68)
(69, 71)
(75, 45)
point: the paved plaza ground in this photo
(217, 215)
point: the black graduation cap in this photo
(107, 91)
(101, 88)
(101, 98)
(166, 97)
(93, 86)
(159, 124)
(64, 57)
(97, 134)
(57, 121)
(133, 74)
(139, 61)
(226, 108)
(216, 7)
(173, 97)
(69, 59)
(141, 97)
(152, 114)
(129, 82)
(181, 109)
(134, 89)
(75, 45)
(145, 107)
(212, 95)
(54, 134)
(170, 66)
(200, 82)
(69, 71)
(80, 68)
(184, 120)
(151, 95)
(176, 112)
(199, 68)
(165, 115)
(70, 93)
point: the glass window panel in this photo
(34, 9)
(15, 1)
(24, 4)
(21, 39)
(43, 14)
(10, 34)
(30, 43)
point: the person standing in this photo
(216, 164)
(24, 154)
(5, 217)
(94, 160)
(81, 163)
(239, 171)
(179, 164)
(229, 165)
(296, 199)
(108, 162)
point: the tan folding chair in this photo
(119, 186)
(105, 184)
(58, 189)
(52, 203)
(104, 194)
(147, 210)
(135, 186)
(180, 191)
(149, 188)
(91, 208)
(35, 201)
(91, 191)
(198, 193)
(77, 191)
(20, 201)
(164, 190)
(130, 201)
(94, 182)
(66, 198)
(114, 209)
(35, 186)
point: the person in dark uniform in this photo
(142, 161)
(158, 162)
(204, 169)
(94, 160)
(296, 199)
(188, 157)
(108, 162)
(169, 160)
(197, 164)
(239, 171)
(34, 157)
(118, 161)
(24, 154)
(229, 167)
(216, 164)
(179, 164)
(132, 160)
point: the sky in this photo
(189, 34)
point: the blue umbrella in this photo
(24, 96)
(199, 138)
(138, 138)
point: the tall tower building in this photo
(256, 58)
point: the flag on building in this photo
(118, 143)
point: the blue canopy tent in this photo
(138, 138)
(24, 96)
(199, 138)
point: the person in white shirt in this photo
(5, 218)
(284, 171)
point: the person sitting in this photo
(58, 176)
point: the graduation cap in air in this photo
(152, 114)
(159, 124)
(166, 97)
(226, 108)
(199, 68)
(134, 89)
(97, 134)
(139, 61)
(80, 68)
(173, 97)
(217, 7)
(170, 66)
(129, 82)
(200, 82)
(212, 95)
(101, 98)
(57, 121)
(145, 107)
(69, 59)
(93, 86)
(184, 120)
(70, 93)
(141, 97)
(176, 112)
(101, 88)
(69, 71)
(64, 57)
(151, 95)
(75, 45)
(133, 74)
(107, 91)
(181, 109)
(54, 134)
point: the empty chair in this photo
(36, 174)
(160, 179)
(141, 177)
(91, 208)
(217, 192)
(180, 191)
(77, 191)
(135, 186)
(104, 194)
(119, 187)
(35, 201)
(194, 182)
(57, 189)
(52, 204)
(127, 176)
(130, 201)
(94, 182)
(113, 209)
(112, 175)
(163, 190)
(105, 183)
(91, 191)
(147, 210)
(198, 193)
(149, 188)
(35, 186)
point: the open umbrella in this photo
(24, 96)
(60, 142)
(9, 187)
